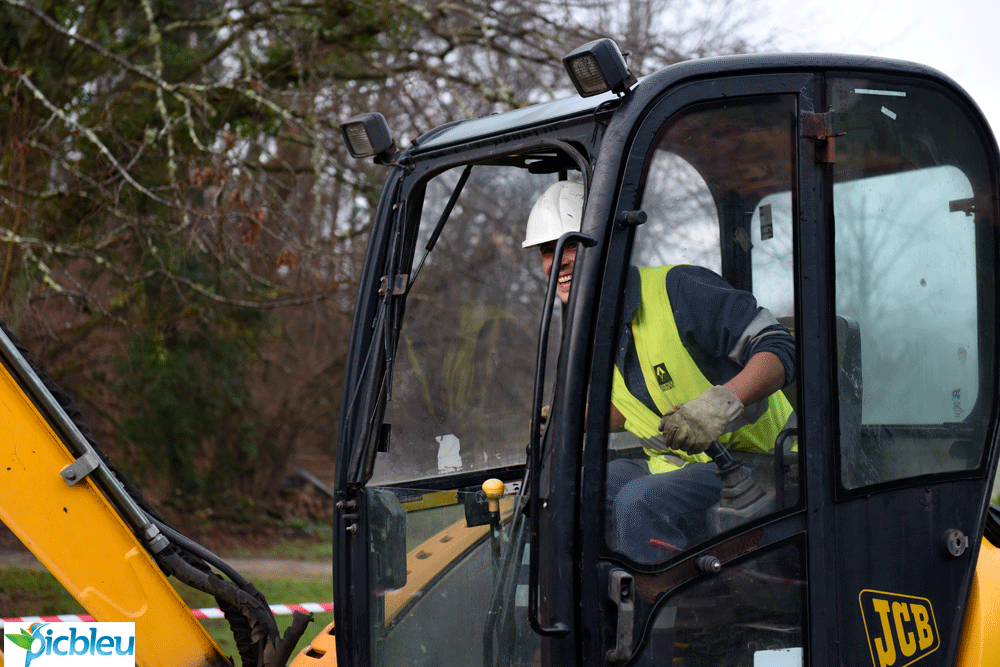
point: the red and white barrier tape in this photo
(276, 609)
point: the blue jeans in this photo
(653, 516)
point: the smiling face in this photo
(565, 267)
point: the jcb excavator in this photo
(856, 199)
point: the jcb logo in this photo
(901, 629)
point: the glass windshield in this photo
(914, 229)
(453, 592)
(464, 366)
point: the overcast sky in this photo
(961, 38)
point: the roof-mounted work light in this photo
(367, 135)
(597, 67)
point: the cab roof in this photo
(540, 114)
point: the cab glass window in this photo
(446, 576)
(748, 614)
(914, 231)
(709, 288)
(464, 366)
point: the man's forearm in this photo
(763, 375)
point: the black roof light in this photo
(597, 67)
(367, 135)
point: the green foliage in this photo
(191, 413)
(185, 378)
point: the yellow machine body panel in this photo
(321, 652)
(81, 539)
(981, 634)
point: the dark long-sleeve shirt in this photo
(720, 327)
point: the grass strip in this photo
(30, 593)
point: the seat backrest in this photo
(850, 385)
(849, 379)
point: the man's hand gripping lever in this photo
(694, 427)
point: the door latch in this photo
(621, 591)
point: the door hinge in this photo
(400, 283)
(349, 509)
(819, 128)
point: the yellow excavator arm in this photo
(101, 540)
(80, 537)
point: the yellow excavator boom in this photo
(80, 537)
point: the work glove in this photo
(691, 427)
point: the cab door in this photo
(856, 212)
(914, 272)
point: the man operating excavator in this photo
(698, 361)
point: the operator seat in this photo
(850, 384)
(849, 378)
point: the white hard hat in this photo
(557, 211)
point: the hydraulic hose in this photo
(201, 552)
(259, 628)
(245, 608)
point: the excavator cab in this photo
(855, 199)
(482, 517)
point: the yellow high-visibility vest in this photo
(672, 377)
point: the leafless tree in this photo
(174, 179)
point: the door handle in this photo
(558, 628)
(621, 590)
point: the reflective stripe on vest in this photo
(672, 377)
